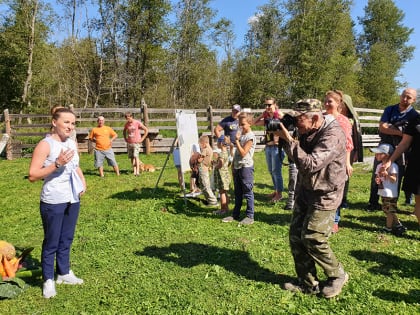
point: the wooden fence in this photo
(25, 130)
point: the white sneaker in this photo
(48, 290)
(69, 278)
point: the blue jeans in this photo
(243, 182)
(337, 216)
(274, 158)
(59, 223)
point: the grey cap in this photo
(383, 148)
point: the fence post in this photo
(146, 123)
(210, 120)
(9, 146)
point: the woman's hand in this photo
(65, 156)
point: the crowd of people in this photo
(321, 149)
(319, 142)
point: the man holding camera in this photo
(320, 156)
(273, 154)
(391, 127)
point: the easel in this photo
(187, 136)
(171, 151)
(3, 142)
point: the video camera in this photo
(288, 121)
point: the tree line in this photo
(176, 54)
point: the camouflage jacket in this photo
(320, 157)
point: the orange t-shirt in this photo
(102, 136)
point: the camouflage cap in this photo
(306, 105)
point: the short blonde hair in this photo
(204, 139)
(247, 117)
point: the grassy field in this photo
(143, 249)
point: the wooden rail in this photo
(25, 130)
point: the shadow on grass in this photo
(197, 207)
(141, 193)
(375, 223)
(108, 171)
(371, 223)
(188, 255)
(411, 297)
(388, 263)
(33, 265)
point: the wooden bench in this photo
(370, 141)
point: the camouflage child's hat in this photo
(306, 105)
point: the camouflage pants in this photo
(308, 236)
(389, 205)
(204, 181)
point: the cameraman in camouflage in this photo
(320, 156)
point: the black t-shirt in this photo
(413, 129)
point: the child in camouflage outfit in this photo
(204, 168)
(222, 174)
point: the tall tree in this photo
(23, 34)
(145, 33)
(259, 72)
(383, 50)
(224, 37)
(191, 57)
(320, 47)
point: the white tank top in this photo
(57, 186)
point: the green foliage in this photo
(168, 53)
(320, 48)
(14, 37)
(383, 50)
(259, 71)
(142, 249)
(11, 288)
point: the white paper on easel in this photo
(187, 131)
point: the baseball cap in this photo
(306, 105)
(236, 107)
(383, 148)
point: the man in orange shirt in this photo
(103, 136)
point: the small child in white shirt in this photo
(388, 189)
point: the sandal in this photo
(274, 200)
(220, 212)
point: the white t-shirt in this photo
(247, 160)
(388, 188)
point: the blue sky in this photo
(239, 11)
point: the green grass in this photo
(143, 250)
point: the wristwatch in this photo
(57, 165)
